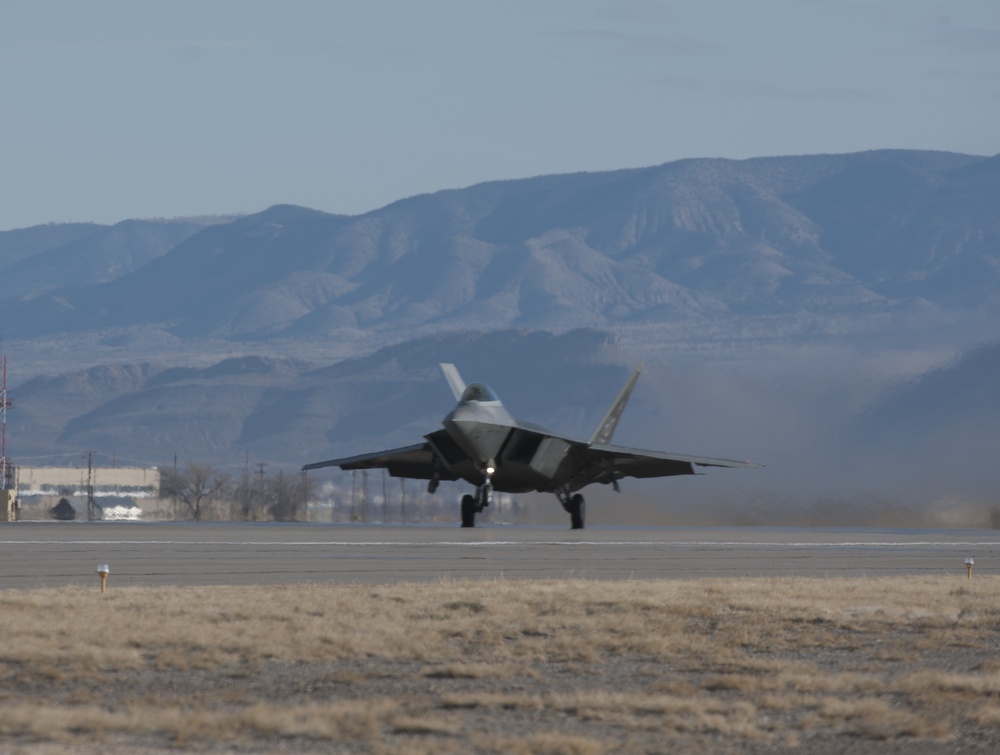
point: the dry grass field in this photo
(903, 664)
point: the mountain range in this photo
(291, 333)
(694, 240)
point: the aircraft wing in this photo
(414, 462)
(621, 461)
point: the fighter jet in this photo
(484, 445)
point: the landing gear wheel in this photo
(577, 511)
(469, 508)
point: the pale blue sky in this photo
(115, 110)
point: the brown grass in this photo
(503, 666)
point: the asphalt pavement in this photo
(47, 554)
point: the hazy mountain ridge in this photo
(43, 258)
(22, 243)
(905, 447)
(683, 241)
(952, 398)
(289, 410)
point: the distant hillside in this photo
(289, 411)
(45, 258)
(961, 398)
(23, 243)
(833, 236)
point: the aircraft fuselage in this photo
(522, 459)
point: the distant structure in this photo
(94, 492)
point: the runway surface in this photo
(45, 554)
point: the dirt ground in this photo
(888, 665)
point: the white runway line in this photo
(504, 543)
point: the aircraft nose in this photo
(479, 437)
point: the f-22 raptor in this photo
(484, 445)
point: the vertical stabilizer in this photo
(606, 429)
(454, 380)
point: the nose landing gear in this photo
(472, 505)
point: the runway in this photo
(48, 554)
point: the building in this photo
(117, 492)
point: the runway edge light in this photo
(968, 567)
(102, 572)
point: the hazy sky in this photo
(115, 110)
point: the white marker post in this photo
(968, 567)
(102, 571)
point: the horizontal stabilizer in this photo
(618, 453)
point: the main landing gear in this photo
(474, 504)
(576, 507)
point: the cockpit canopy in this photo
(479, 392)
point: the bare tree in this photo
(250, 496)
(196, 485)
(287, 497)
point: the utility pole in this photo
(354, 493)
(245, 507)
(7, 483)
(385, 500)
(364, 496)
(90, 487)
(263, 489)
(303, 494)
